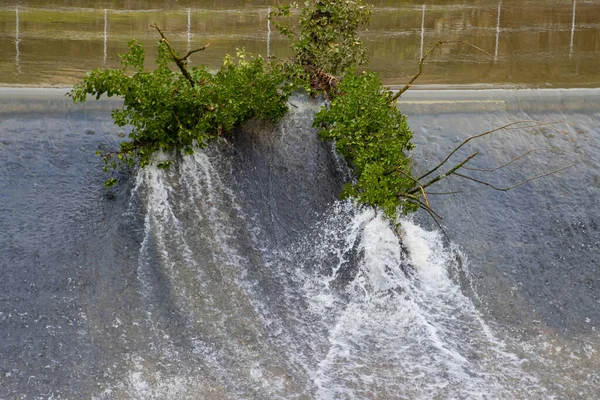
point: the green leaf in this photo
(110, 182)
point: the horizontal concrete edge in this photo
(423, 101)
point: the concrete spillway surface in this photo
(238, 274)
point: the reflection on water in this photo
(573, 29)
(534, 43)
(105, 35)
(18, 53)
(498, 31)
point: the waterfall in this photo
(347, 309)
(238, 273)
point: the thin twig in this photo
(189, 53)
(409, 84)
(412, 178)
(442, 176)
(433, 216)
(539, 124)
(504, 165)
(506, 189)
(443, 193)
(504, 127)
(425, 196)
(422, 61)
(417, 201)
(470, 45)
(399, 169)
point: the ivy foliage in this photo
(169, 112)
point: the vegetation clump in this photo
(373, 136)
(326, 41)
(175, 111)
(180, 110)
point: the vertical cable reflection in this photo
(17, 39)
(268, 34)
(422, 31)
(573, 29)
(189, 29)
(105, 35)
(498, 30)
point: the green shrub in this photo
(169, 113)
(373, 136)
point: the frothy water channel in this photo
(232, 276)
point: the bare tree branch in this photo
(424, 196)
(414, 78)
(189, 53)
(533, 124)
(442, 176)
(470, 45)
(422, 61)
(435, 217)
(180, 61)
(506, 189)
(505, 165)
(444, 193)
(417, 201)
(399, 169)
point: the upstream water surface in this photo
(550, 43)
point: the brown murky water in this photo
(533, 43)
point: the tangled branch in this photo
(534, 124)
(420, 187)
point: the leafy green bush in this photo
(327, 41)
(373, 136)
(328, 38)
(170, 111)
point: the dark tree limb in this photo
(180, 61)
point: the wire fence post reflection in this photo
(422, 31)
(189, 29)
(105, 35)
(572, 29)
(498, 30)
(268, 33)
(17, 40)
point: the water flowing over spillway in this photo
(237, 274)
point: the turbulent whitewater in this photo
(237, 274)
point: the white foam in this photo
(365, 318)
(410, 333)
